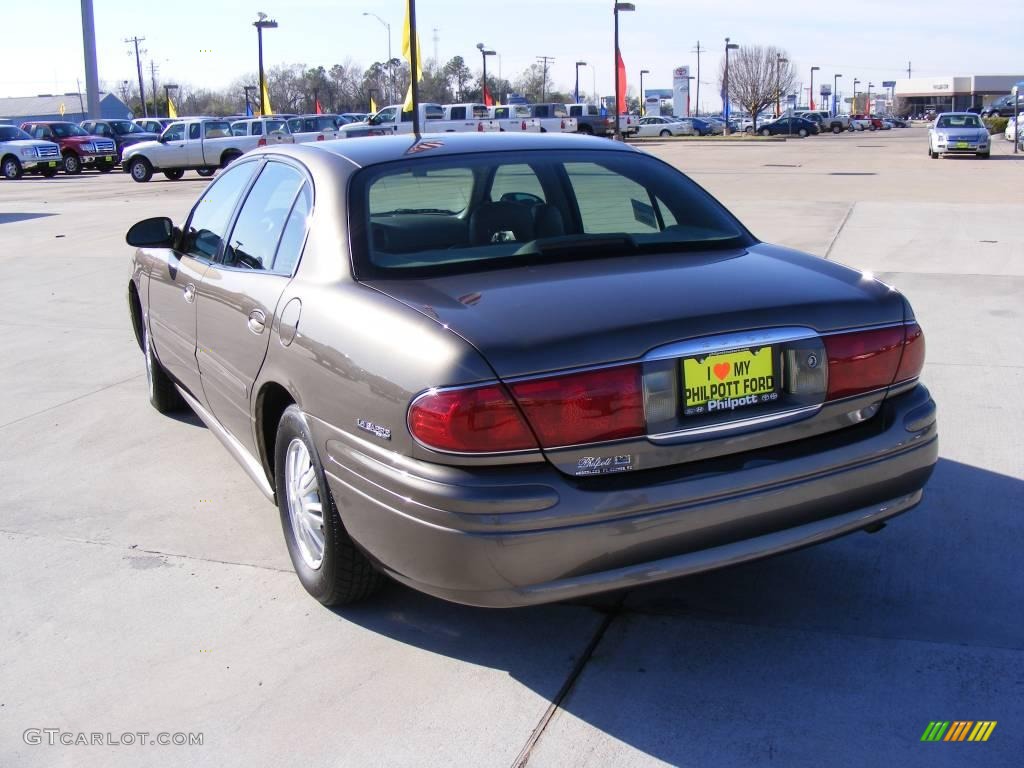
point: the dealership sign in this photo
(681, 91)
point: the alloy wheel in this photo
(305, 506)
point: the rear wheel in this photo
(11, 168)
(837, 129)
(327, 562)
(140, 169)
(206, 172)
(174, 174)
(228, 158)
(72, 165)
(665, 132)
(163, 395)
(585, 129)
(802, 133)
(765, 132)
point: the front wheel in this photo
(163, 395)
(72, 165)
(174, 174)
(327, 562)
(837, 129)
(802, 133)
(12, 168)
(749, 130)
(140, 169)
(206, 172)
(766, 132)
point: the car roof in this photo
(372, 150)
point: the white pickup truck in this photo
(392, 119)
(554, 118)
(456, 113)
(515, 118)
(204, 145)
(315, 127)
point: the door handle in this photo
(190, 292)
(257, 321)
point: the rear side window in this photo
(294, 237)
(207, 227)
(238, 129)
(458, 113)
(480, 111)
(261, 221)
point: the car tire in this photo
(12, 168)
(802, 133)
(665, 133)
(72, 165)
(206, 172)
(586, 129)
(765, 132)
(749, 130)
(984, 155)
(228, 158)
(163, 395)
(935, 155)
(837, 129)
(140, 169)
(49, 173)
(174, 174)
(330, 566)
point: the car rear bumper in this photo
(501, 537)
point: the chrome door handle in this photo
(257, 321)
(190, 293)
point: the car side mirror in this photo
(157, 232)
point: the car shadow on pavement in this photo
(10, 218)
(863, 630)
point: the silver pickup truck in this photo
(20, 153)
(203, 145)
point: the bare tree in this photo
(756, 78)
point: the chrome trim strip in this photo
(728, 426)
(253, 468)
(730, 341)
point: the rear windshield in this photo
(424, 216)
(959, 121)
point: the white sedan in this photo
(664, 126)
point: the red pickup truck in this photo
(78, 148)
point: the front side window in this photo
(174, 132)
(208, 224)
(463, 213)
(261, 221)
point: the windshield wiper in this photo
(444, 211)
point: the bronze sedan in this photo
(513, 369)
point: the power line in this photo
(544, 82)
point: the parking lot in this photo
(146, 586)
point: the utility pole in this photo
(544, 82)
(152, 75)
(437, 38)
(908, 70)
(138, 67)
(698, 50)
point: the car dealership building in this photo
(953, 93)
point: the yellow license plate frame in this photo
(724, 381)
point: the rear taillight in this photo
(471, 420)
(320, 137)
(587, 407)
(479, 127)
(262, 142)
(563, 125)
(864, 361)
(524, 125)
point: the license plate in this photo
(723, 382)
(109, 158)
(961, 145)
(52, 163)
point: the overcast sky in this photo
(208, 43)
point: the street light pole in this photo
(577, 91)
(642, 73)
(484, 53)
(810, 92)
(867, 104)
(725, 106)
(391, 71)
(263, 23)
(853, 105)
(835, 96)
(618, 116)
(779, 61)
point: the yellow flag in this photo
(416, 70)
(266, 98)
(373, 106)
(172, 111)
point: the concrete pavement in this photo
(144, 584)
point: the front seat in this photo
(547, 221)
(491, 223)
